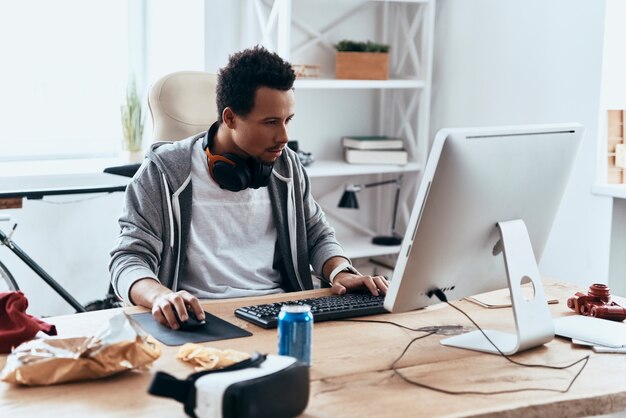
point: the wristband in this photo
(345, 266)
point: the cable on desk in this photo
(377, 321)
(497, 392)
(430, 332)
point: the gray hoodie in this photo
(157, 216)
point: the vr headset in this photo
(261, 386)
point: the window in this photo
(63, 77)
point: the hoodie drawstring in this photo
(291, 205)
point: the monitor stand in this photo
(533, 321)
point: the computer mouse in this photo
(192, 323)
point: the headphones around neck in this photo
(233, 172)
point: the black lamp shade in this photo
(348, 200)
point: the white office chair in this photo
(182, 104)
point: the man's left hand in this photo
(349, 282)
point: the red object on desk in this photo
(597, 303)
(16, 326)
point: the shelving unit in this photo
(611, 183)
(401, 104)
(358, 245)
(358, 84)
(611, 190)
(615, 147)
(611, 133)
(340, 168)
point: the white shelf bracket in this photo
(319, 36)
(277, 21)
(410, 36)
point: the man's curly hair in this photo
(245, 72)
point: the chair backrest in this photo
(182, 104)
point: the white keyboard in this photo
(592, 330)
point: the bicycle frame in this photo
(6, 240)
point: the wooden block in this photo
(615, 116)
(612, 142)
(615, 130)
(307, 70)
(620, 156)
(615, 176)
(615, 127)
(11, 203)
(610, 162)
(362, 66)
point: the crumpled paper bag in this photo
(122, 345)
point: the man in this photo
(199, 221)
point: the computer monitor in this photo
(481, 190)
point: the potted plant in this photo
(132, 123)
(362, 60)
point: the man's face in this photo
(263, 132)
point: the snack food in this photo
(209, 358)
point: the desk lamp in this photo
(349, 201)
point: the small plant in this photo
(354, 46)
(132, 119)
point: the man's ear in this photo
(228, 116)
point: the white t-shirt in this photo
(231, 241)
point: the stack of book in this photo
(374, 150)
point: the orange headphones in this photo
(233, 172)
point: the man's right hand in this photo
(165, 304)
(166, 308)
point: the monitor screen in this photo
(474, 179)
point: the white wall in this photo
(496, 62)
(613, 74)
(70, 236)
(613, 97)
(174, 42)
(537, 61)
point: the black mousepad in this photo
(213, 330)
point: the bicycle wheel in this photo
(7, 282)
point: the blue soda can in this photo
(295, 329)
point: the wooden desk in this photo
(350, 375)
